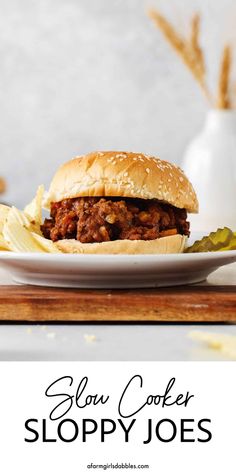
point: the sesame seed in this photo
(181, 179)
(147, 170)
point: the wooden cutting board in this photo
(178, 304)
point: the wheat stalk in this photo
(195, 28)
(195, 46)
(169, 32)
(189, 51)
(223, 96)
(232, 93)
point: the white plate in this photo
(107, 271)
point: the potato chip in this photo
(4, 209)
(18, 237)
(16, 234)
(24, 220)
(33, 210)
(46, 244)
(17, 215)
(3, 244)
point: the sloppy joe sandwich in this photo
(119, 203)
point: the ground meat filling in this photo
(95, 219)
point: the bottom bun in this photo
(168, 245)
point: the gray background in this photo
(80, 75)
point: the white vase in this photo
(210, 164)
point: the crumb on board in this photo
(43, 327)
(51, 335)
(224, 343)
(90, 338)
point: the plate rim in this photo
(4, 255)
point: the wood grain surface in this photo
(181, 304)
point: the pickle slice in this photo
(221, 240)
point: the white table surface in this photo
(110, 342)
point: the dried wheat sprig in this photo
(232, 93)
(223, 96)
(195, 46)
(168, 30)
(195, 29)
(190, 52)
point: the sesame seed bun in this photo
(122, 174)
(167, 245)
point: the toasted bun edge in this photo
(167, 245)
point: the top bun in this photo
(122, 174)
